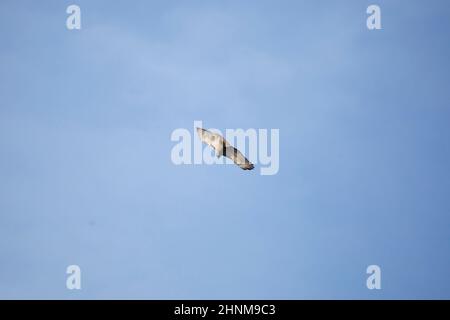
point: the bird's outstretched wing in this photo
(238, 158)
(212, 139)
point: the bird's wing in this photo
(212, 139)
(238, 158)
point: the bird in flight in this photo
(223, 148)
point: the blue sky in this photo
(86, 176)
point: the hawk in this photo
(223, 148)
